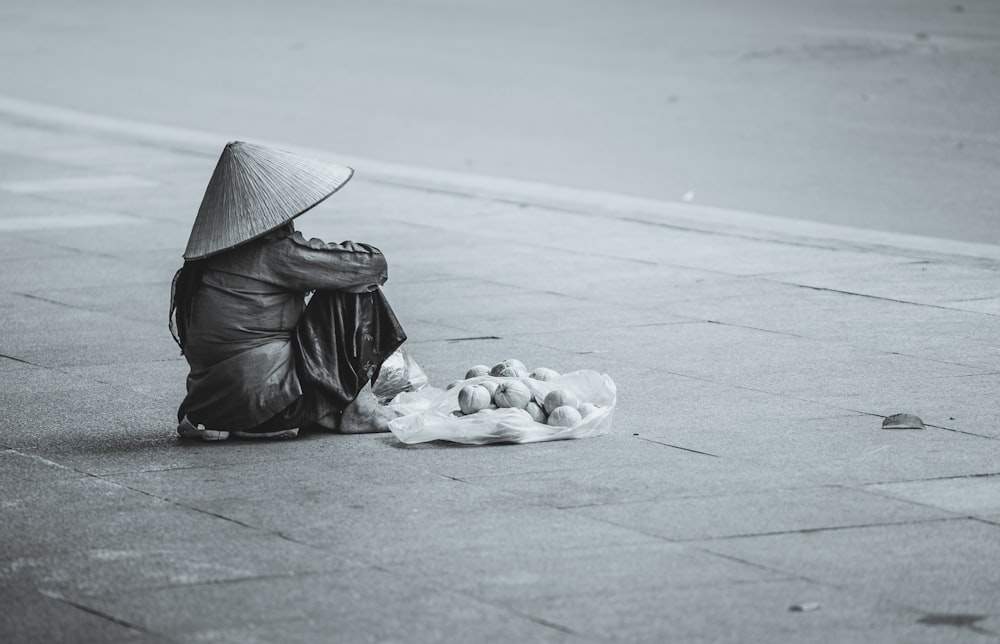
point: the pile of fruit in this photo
(509, 384)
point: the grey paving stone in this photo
(650, 242)
(81, 534)
(159, 449)
(840, 450)
(922, 331)
(355, 605)
(975, 496)
(934, 566)
(17, 376)
(283, 473)
(760, 512)
(162, 379)
(424, 332)
(616, 448)
(95, 514)
(636, 285)
(457, 296)
(142, 302)
(142, 235)
(86, 417)
(30, 616)
(44, 409)
(403, 273)
(921, 282)
(528, 267)
(746, 612)
(988, 305)
(747, 357)
(78, 270)
(411, 511)
(443, 522)
(511, 575)
(24, 474)
(740, 256)
(53, 335)
(180, 562)
(730, 293)
(955, 402)
(662, 399)
(445, 292)
(531, 310)
(162, 262)
(678, 473)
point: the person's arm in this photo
(316, 265)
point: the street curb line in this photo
(683, 215)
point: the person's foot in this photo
(364, 415)
(189, 429)
(283, 434)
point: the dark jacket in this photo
(238, 336)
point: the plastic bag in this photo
(429, 414)
(399, 373)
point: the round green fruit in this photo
(543, 373)
(503, 364)
(564, 416)
(559, 398)
(512, 393)
(473, 398)
(477, 370)
(536, 412)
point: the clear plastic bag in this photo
(430, 414)
(399, 373)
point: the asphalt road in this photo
(879, 114)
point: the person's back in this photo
(263, 362)
(239, 341)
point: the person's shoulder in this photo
(298, 239)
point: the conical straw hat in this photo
(254, 190)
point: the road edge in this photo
(682, 215)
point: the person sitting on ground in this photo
(280, 333)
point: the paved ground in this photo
(747, 472)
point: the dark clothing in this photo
(259, 356)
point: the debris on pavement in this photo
(902, 421)
(804, 607)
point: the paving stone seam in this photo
(193, 508)
(874, 297)
(21, 360)
(139, 319)
(815, 338)
(98, 613)
(947, 478)
(956, 514)
(834, 528)
(712, 495)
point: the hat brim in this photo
(255, 190)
